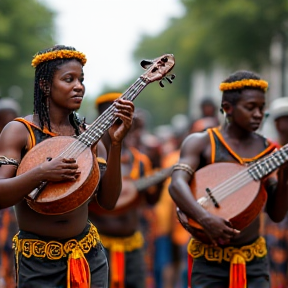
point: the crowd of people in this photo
(141, 225)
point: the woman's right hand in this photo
(59, 169)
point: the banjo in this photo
(234, 191)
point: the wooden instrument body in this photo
(65, 196)
(129, 198)
(240, 207)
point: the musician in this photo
(119, 229)
(234, 259)
(62, 250)
(276, 233)
(9, 110)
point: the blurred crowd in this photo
(165, 240)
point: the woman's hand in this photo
(59, 169)
(124, 111)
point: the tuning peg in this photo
(168, 79)
(172, 76)
(161, 84)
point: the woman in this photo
(58, 93)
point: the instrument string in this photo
(244, 177)
(101, 124)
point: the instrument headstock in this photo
(158, 69)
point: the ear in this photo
(227, 107)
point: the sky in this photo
(108, 31)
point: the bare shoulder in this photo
(13, 139)
(196, 142)
(193, 147)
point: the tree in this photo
(226, 32)
(25, 27)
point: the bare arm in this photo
(111, 183)
(277, 204)
(216, 228)
(13, 140)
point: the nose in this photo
(258, 113)
(78, 85)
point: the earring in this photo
(47, 91)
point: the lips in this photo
(255, 124)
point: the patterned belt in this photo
(197, 249)
(55, 250)
(122, 244)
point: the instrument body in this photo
(59, 196)
(130, 196)
(62, 197)
(240, 207)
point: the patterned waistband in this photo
(55, 250)
(197, 249)
(122, 244)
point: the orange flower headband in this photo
(244, 83)
(57, 54)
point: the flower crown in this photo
(58, 54)
(244, 83)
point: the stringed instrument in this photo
(233, 192)
(53, 198)
(131, 191)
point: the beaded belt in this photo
(55, 250)
(122, 244)
(197, 249)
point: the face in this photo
(249, 110)
(281, 124)
(67, 88)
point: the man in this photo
(276, 233)
(120, 229)
(225, 261)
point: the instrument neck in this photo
(262, 168)
(96, 130)
(154, 179)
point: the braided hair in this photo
(44, 74)
(233, 96)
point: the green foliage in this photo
(231, 33)
(25, 27)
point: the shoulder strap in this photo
(271, 146)
(213, 145)
(32, 141)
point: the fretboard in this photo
(264, 167)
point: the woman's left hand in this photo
(124, 110)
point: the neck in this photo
(236, 132)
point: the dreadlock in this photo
(233, 96)
(44, 74)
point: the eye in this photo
(250, 107)
(68, 79)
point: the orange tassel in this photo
(117, 269)
(78, 274)
(238, 272)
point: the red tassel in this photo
(190, 265)
(117, 269)
(78, 274)
(238, 272)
